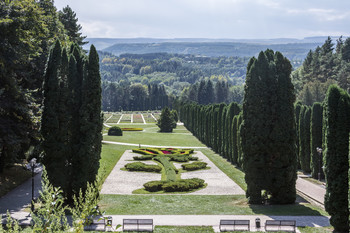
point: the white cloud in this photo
(210, 18)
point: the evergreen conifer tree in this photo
(166, 122)
(316, 139)
(336, 157)
(268, 129)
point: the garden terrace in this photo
(137, 118)
(126, 118)
(114, 119)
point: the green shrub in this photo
(154, 186)
(174, 186)
(194, 166)
(183, 185)
(138, 166)
(142, 151)
(115, 131)
(143, 157)
(192, 158)
(178, 158)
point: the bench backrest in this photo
(234, 222)
(138, 221)
(280, 222)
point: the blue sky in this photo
(236, 19)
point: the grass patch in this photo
(183, 229)
(12, 177)
(316, 229)
(151, 136)
(198, 204)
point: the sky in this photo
(229, 19)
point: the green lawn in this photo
(151, 136)
(183, 204)
(197, 204)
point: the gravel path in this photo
(124, 182)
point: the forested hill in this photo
(174, 71)
(293, 51)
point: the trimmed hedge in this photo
(143, 157)
(138, 166)
(115, 131)
(194, 166)
(174, 186)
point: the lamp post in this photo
(32, 165)
(319, 151)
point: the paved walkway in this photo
(20, 198)
(311, 190)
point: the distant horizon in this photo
(237, 19)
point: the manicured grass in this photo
(12, 177)
(151, 136)
(183, 229)
(197, 204)
(114, 119)
(316, 229)
(110, 155)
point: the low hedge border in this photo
(194, 166)
(138, 166)
(174, 186)
(143, 157)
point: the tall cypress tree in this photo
(336, 160)
(297, 109)
(305, 161)
(268, 129)
(234, 141)
(239, 141)
(316, 139)
(50, 122)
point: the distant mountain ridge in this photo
(294, 49)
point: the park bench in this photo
(234, 225)
(138, 225)
(280, 225)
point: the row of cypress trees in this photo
(71, 125)
(215, 125)
(309, 124)
(336, 126)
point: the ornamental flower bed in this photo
(163, 151)
(137, 118)
(132, 129)
(126, 118)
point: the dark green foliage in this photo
(304, 131)
(336, 157)
(234, 140)
(174, 186)
(183, 185)
(166, 122)
(316, 139)
(71, 124)
(70, 22)
(115, 131)
(138, 166)
(154, 186)
(268, 130)
(143, 157)
(194, 166)
(239, 141)
(297, 108)
(175, 115)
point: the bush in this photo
(143, 157)
(154, 186)
(138, 166)
(178, 158)
(174, 186)
(192, 158)
(194, 166)
(183, 185)
(115, 131)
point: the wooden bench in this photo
(280, 225)
(138, 225)
(234, 225)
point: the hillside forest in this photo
(141, 81)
